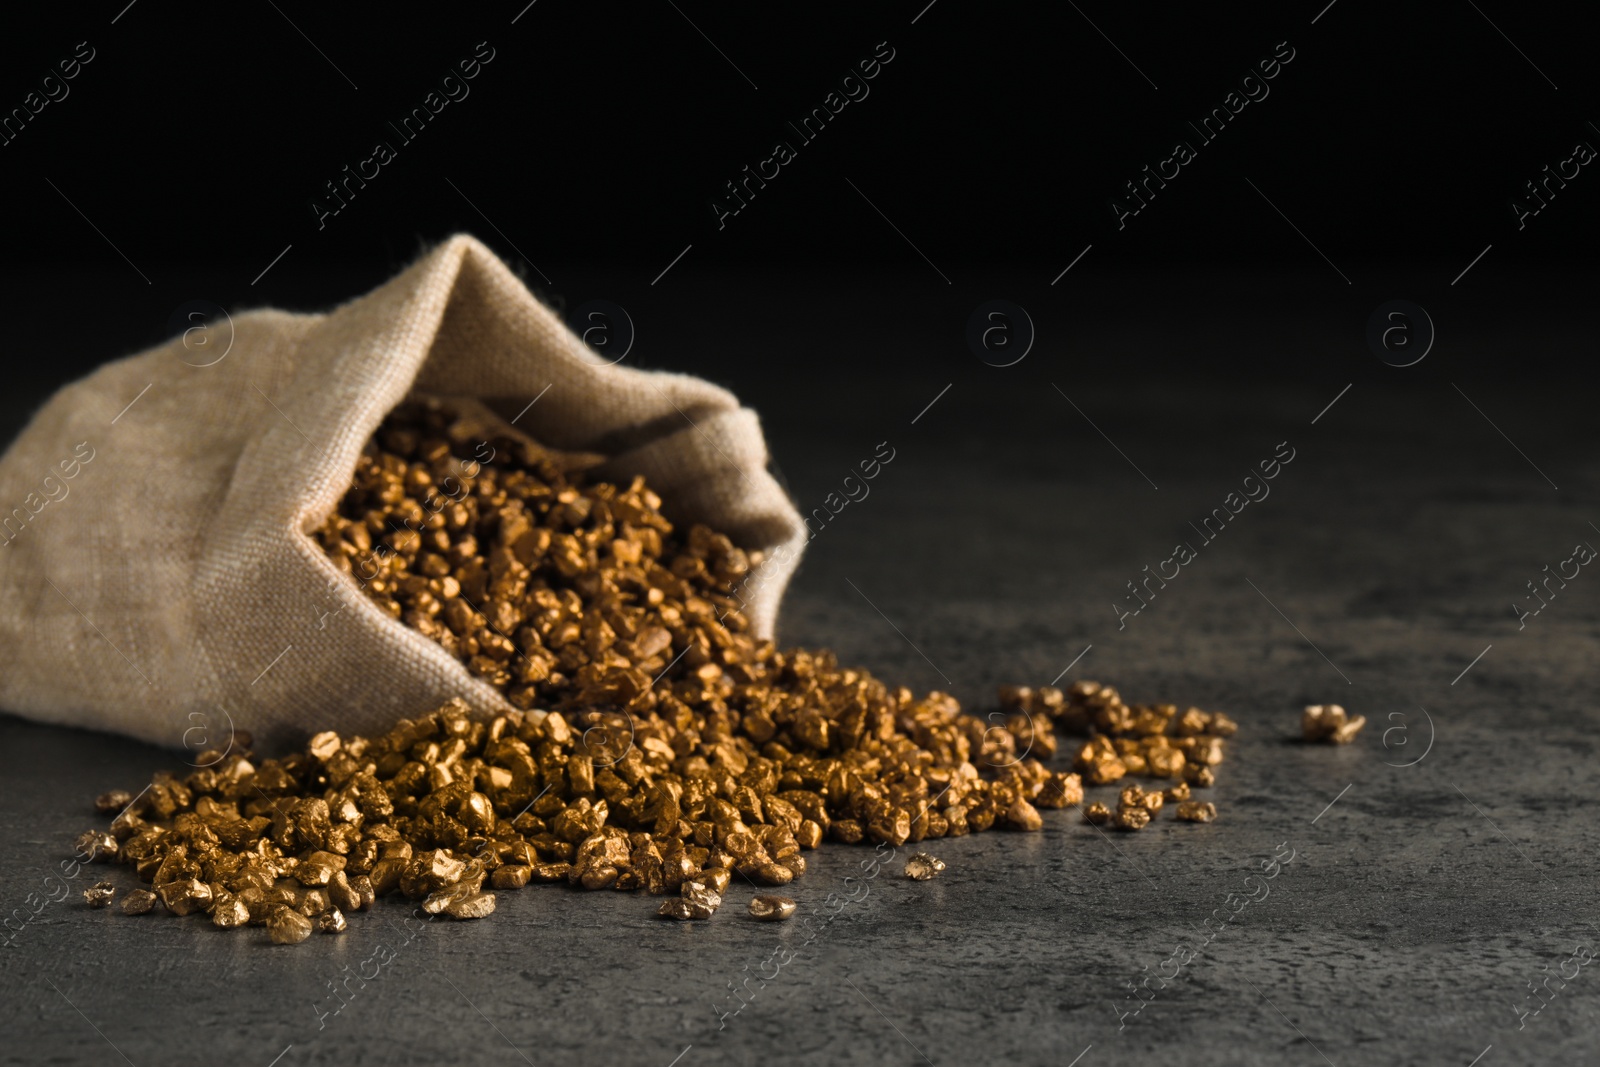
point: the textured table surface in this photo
(1441, 866)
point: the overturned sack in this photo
(157, 577)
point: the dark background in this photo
(593, 144)
(600, 132)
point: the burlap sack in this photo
(156, 576)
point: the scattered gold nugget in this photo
(229, 912)
(286, 926)
(772, 908)
(1022, 815)
(312, 902)
(1132, 818)
(774, 874)
(697, 894)
(476, 906)
(682, 909)
(511, 876)
(332, 922)
(97, 845)
(185, 896)
(138, 902)
(114, 801)
(1197, 811)
(1061, 791)
(99, 894)
(345, 894)
(318, 868)
(922, 866)
(449, 896)
(1330, 724)
(1134, 797)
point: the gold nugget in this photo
(98, 846)
(511, 876)
(138, 902)
(1330, 724)
(285, 926)
(702, 897)
(185, 896)
(1132, 818)
(771, 908)
(229, 912)
(682, 909)
(114, 801)
(1197, 811)
(1022, 815)
(476, 906)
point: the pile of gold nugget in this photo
(654, 743)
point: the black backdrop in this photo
(184, 159)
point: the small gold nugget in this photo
(287, 927)
(318, 868)
(114, 801)
(98, 845)
(186, 896)
(513, 876)
(448, 897)
(138, 902)
(1134, 797)
(773, 909)
(701, 898)
(1132, 818)
(1197, 811)
(476, 906)
(922, 866)
(1099, 763)
(228, 912)
(343, 892)
(682, 909)
(99, 894)
(1328, 723)
(313, 902)
(1060, 790)
(1022, 815)
(332, 922)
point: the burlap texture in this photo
(156, 573)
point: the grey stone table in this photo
(1435, 880)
